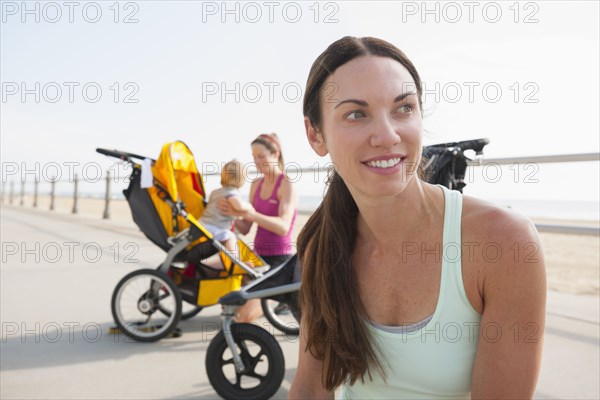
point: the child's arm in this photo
(238, 204)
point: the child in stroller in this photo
(216, 222)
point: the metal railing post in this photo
(35, 192)
(75, 193)
(22, 194)
(106, 214)
(52, 183)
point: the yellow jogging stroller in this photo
(166, 197)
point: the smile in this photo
(385, 163)
(392, 162)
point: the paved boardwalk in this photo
(57, 275)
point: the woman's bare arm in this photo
(307, 382)
(509, 352)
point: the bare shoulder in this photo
(482, 220)
(287, 183)
(286, 189)
(506, 248)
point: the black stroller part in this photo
(446, 163)
(142, 211)
(475, 144)
(264, 363)
(122, 155)
(285, 274)
(288, 272)
(199, 252)
(281, 285)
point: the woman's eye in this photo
(407, 108)
(355, 115)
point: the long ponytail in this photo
(333, 316)
(329, 300)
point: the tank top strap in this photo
(276, 188)
(452, 250)
(452, 222)
(258, 189)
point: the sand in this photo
(572, 261)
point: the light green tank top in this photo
(436, 361)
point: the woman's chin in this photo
(373, 189)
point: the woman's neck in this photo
(385, 223)
(272, 174)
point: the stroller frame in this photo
(252, 291)
(281, 283)
(192, 244)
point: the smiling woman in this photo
(379, 321)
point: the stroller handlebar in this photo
(122, 155)
(475, 144)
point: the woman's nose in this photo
(384, 133)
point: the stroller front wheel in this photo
(262, 357)
(136, 300)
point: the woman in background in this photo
(274, 200)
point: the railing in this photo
(478, 162)
(562, 158)
(536, 159)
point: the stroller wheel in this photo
(136, 300)
(262, 358)
(281, 315)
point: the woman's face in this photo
(265, 160)
(371, 125)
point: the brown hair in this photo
(271, 142)
(334, 318)
(232, 174)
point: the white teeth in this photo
(384, 163)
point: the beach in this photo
(572, 261)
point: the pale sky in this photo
(524, 75)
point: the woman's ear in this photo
(315, 138)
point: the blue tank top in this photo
(434, 360)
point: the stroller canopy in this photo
(176, 179)
(175, 170)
